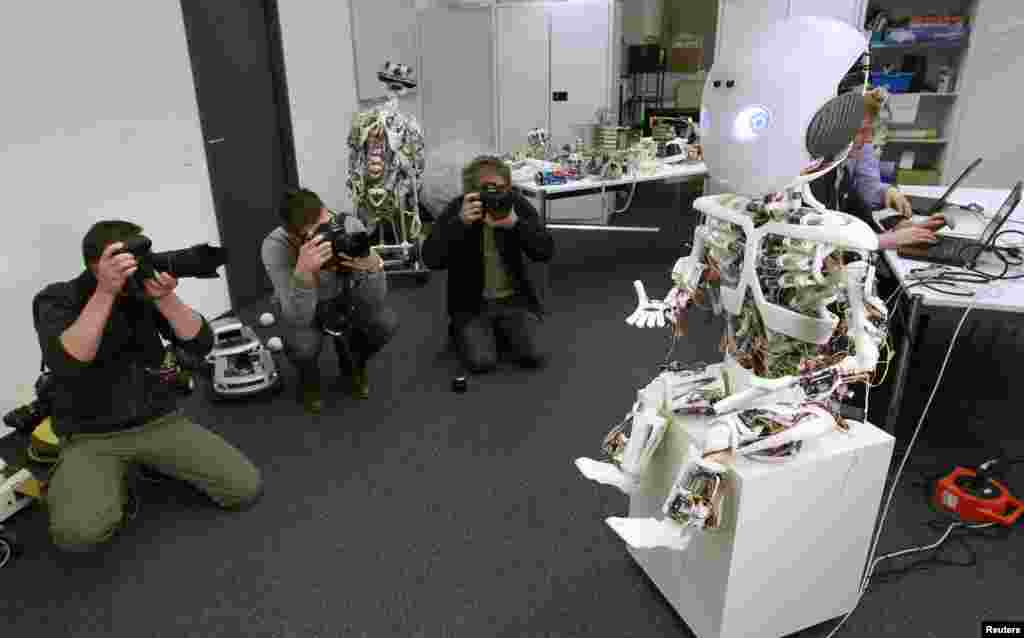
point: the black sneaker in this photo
(150, 475)
(309, 396)
(130, 507)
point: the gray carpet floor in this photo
(424, 513)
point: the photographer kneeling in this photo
(327, 280)
(481, 239)
(101, 339)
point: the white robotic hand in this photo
(606, 474)
(648, 313)
(652, 533)
(694, 504)
(632, 454)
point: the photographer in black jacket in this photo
(101, 338)
(480, 239)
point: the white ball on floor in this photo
(266, 319)
(275, 344)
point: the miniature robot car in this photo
(241, 365)
(16, 493)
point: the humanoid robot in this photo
(794, 280)
(386, 162)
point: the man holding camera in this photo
(327, 280)
(481, 239)
(101, 339)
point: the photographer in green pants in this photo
(101, 337)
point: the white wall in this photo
(382, 31)
(990, 88)
(318, 62)
(100, 122)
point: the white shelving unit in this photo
(935, 110)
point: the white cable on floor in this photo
(629, 202)
(872, 562)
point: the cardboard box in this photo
(917, 177)
(685, 60)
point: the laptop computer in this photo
(962, 251)
(926, 206)
(930, 205)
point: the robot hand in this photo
(648, 314)
(694, 504)
(630, 455)
(651, 533)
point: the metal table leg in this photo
(910, 332)
(545, 267)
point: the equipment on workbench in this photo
(976, 497)
(17, 492)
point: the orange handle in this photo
(1011, 518)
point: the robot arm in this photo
(866, 336)
(686, 274)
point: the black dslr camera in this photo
(200, 261)
(343, 243)
(26, 418)
(497, 204)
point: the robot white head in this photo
(770, 117)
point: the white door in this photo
(524, 93)
(581, 60)
(580, 63)
(458, 97)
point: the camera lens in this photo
(459, 384)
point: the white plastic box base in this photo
(794, 543)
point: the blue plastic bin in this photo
(895, 82)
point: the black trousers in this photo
(507, 325)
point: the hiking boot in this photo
(309, 397)
(309, 391)
(360, 382)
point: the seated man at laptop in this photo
(856, 187)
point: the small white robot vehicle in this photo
(240, 364)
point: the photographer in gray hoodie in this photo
(320, 294)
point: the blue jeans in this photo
(506, 323)
(368, 326)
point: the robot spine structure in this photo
(386, 160)
(795, 282)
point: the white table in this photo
(1001, 296)
(668, 173)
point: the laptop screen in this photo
(941, 202)
(1004, 211)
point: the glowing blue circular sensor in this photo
(760, 118)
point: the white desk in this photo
(668, 173)
(1002, 296)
